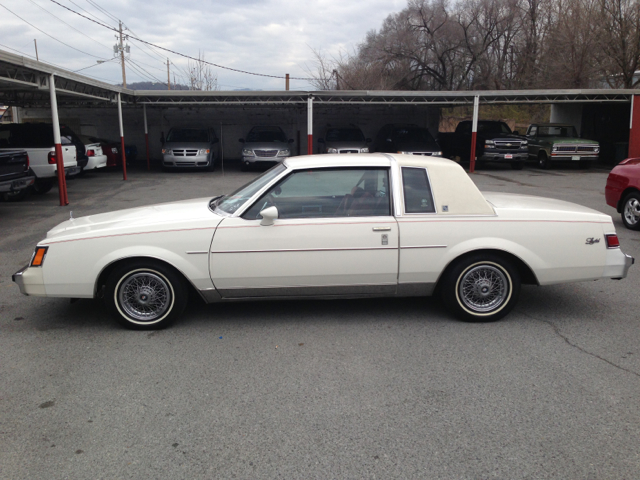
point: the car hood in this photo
(528, 207)
(349, 145)
(266, 145)
(152, 218)
(417, 147)
(567, 140)
(197, 145)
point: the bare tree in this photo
(200, 75)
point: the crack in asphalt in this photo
(566, 339)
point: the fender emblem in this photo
(591, 241)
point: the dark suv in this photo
(410, 139)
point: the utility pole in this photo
(36, 44)
(287, 82)
(121, 48)
(168, 76)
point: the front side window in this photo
(321, 193)
(417, 191)
(230, 203)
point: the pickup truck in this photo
(556, 142)
(37, 140)
(15, 178)
(495, 142)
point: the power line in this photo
(90, 2)
(94, 65)
(182, 54)
(50, 36)
(149, 74)
(71, 26)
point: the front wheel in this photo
(631, 211)
(145, 295)
(543, 160)
(481, 287)
(42, 186)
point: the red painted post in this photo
(474, 134)
(62, 181)
(634, 127)
(310, 126)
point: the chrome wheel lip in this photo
(632, 211)
(484, 288)
(144, 296)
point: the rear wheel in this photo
(482, 287)
(631, 211)
(145, 295)
(42, 186)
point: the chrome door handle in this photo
(381, 229)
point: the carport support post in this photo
(634, 127)
(146, 132)
(474, 134)
(310, 126)
(62, 183)
(124, 158)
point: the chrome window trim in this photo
(240, 211)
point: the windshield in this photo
(266, 136)
(493, 127)
(188, 135)
(565, 131)
(413, 134)
(233, 202)
(344, 135)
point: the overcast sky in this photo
(272, 37)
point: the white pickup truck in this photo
(37, 140)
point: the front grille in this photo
(426, 154)
(185, 164)
(587, 148)
(565, 148)
(266, 153)
(508, 145)
(349, 151)
(185, 153)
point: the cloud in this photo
(272, 37)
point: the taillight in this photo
(90, 153)
(28, 164)
(612, 240)
(52, 158)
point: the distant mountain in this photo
(153, 86)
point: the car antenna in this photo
(70, 214)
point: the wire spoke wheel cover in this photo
(483, 288)
(144, 296)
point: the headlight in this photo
(332, 150)
(524, 143)
(489, 143)
(408, 153)
(437, 154)
(247, 152)
(204, 151)
(364, 150)
(554, 148)
(596, 150)
(166, 151)
(284, 153)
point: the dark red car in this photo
(111, 150)
(623, 191)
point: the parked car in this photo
(37, 140)
(495, 142)
(622, 191)
(15, 176)
(111, 149)
(190, 147)
(343, 139)
(554, 142)
(95, 156)
(328, 226)
(264, 145)
(409, 139)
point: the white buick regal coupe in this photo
(328, 226)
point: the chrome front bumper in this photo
(18, 278)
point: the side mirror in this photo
(241, 140)
(269, 216)
(368, 140)
(291, 140)
(321, 140)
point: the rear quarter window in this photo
(418, 197)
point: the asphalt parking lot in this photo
(389, 388)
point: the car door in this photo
(533, 141)
(334, 235)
